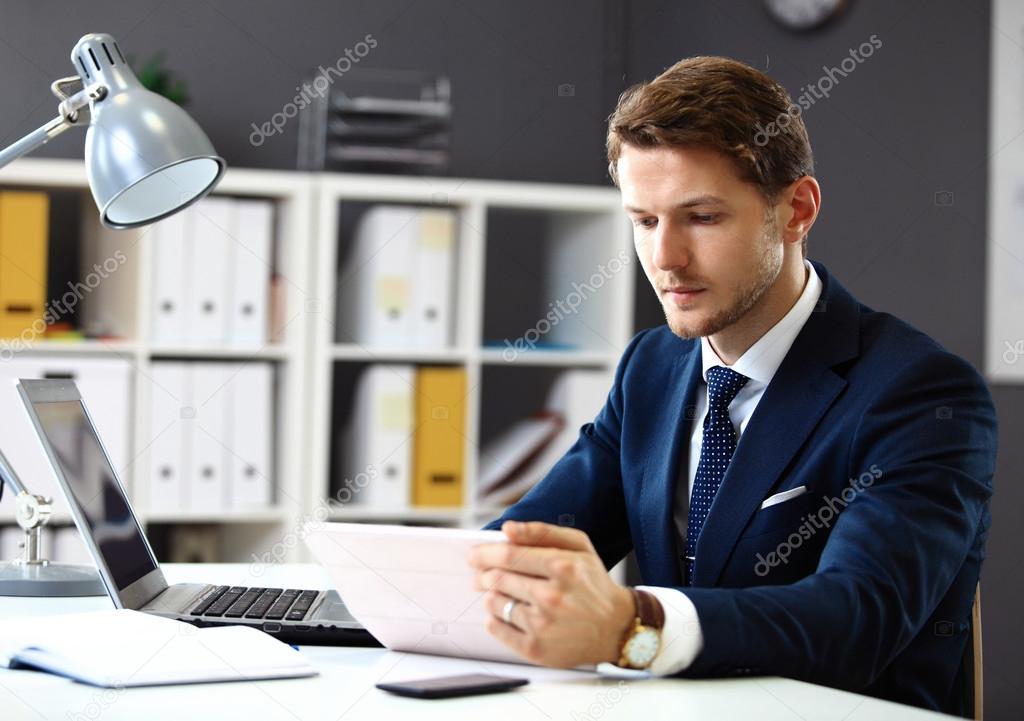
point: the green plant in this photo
(155, 76)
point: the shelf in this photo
(55, 519)
(268, 352)
(494, 356)
(270, 515)
(489, 512)
(460, 191)
(559, 358)
(353, 513)
(71, 347)
(353, 351)
(48, 172)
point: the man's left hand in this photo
(568, 610)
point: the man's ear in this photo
(803, 198)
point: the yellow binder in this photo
(440, 438)
(24, 232)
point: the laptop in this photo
(125, 560)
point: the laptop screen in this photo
(96, 491)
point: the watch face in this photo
(643, 647)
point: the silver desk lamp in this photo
(32, 574)
(145, 159)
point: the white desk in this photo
(344, 690)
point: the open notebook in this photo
(120, 648)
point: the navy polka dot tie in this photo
(716, 449)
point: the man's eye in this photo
(645, 222)
(705, 218)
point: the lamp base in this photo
(53, 579)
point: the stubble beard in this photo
(768, 271)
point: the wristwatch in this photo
(642, 640)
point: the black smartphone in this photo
(469, 684)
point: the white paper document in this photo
(411, 587)
(121, 647)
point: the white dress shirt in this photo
(682, 638)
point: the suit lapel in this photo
(657, 496)
(803, 389)
(786, 415)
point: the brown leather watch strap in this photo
(648, 609)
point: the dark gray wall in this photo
(908, 123)
(243, 59)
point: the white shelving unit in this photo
(240, 533)
(574, 230)
(587, 222)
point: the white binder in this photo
(167, 467)
(251, 266)
(210, 398)
(250, 468)
(375, 284)
(432, 290)
(169, 279)
(376, 467)
(209, 242)
(105, 387)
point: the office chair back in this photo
(973, 677)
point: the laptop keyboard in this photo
(272, 604)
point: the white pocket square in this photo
(784, 496)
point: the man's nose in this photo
(671, 249)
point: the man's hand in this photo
(568, 612)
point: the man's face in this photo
(705, 238)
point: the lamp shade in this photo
(145, 157)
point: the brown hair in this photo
(721, 104)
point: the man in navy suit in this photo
(805, 481)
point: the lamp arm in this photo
(33, 140)
(69, 111)
(8, 477)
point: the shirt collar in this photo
(762, 359)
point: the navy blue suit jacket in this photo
(888, 430)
